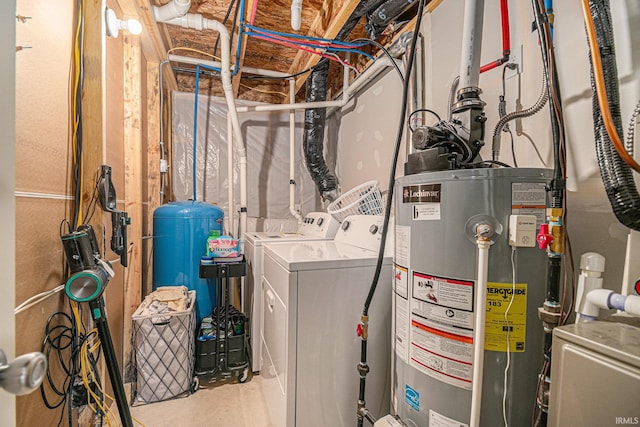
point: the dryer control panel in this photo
(319, 224)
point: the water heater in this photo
(434, 293)
(180, 232)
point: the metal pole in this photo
(99, 316)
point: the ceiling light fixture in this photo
(114, 24)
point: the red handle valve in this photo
(359, 329)
(544, 238)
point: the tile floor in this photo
(222, 404)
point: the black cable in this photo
(513, 148)
(387, 214)
(419, 110)
(224, 22)
(386, 52)
(392, 174)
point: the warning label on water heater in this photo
(529, 198)
(441, 331)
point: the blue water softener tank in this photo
(180, 232)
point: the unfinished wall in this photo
(43, 170)
(590, 221)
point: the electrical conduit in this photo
(198, 22)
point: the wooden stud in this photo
(151, 40)
(94, 134)
(132, 187)
(153, 158)
(243, 49)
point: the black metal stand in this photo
(225, 345)
(100, 317)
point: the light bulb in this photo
(134, 26)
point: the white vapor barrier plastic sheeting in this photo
(267, 140)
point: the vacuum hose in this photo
(616, 174)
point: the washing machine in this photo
(313, 295)
(315, 226)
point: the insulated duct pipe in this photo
(616, 173)
(315, 118)
(292, 153)
(314, 123)
(198, 22)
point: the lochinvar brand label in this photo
(422, 193)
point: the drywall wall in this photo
(590, 222)
(7, 203)
(365, 130)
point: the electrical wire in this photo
(386, 52)
(420, 110)
(601, 90)
(190, 49)
(305, 38)
(508, 324)
(37, 299)
(273, 92)
(224, 22)
(300, 45)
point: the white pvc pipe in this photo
(198, 22)
(347, 93)
(296, 12)
(292, 153)
(230, 192)
(471, 43)
(171, 10)
(479, 329)
(217, 64)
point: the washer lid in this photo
(260, 237)
(320, 255)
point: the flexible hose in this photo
(616, 173)
(631, 130)
(542, 100)
(597, 68)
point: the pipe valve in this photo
(544, 238)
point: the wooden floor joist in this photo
(328, 23)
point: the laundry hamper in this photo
(164, 353)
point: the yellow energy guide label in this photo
(512, 330)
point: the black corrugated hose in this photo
(363, 368)
(315, 118)
(616, 174)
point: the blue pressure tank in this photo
(180, 232)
